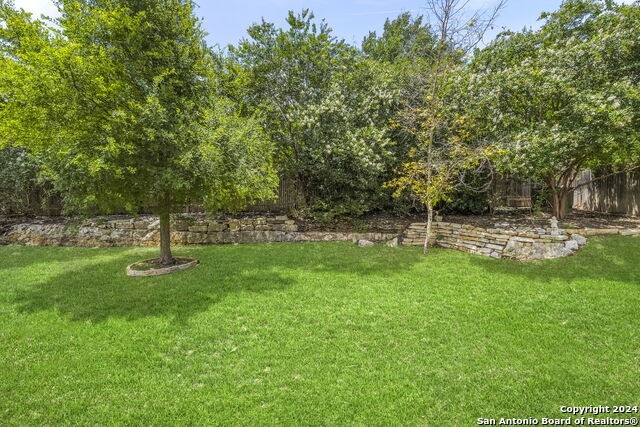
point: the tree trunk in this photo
(559, 203)
(425, 250)
(165, 234)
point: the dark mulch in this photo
(377, 223)
(575, 219)
(389, 224)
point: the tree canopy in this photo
(124, 106)
(325, 107)
(565, 97)
(119, 99)
(404, 38)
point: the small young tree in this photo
(119, 100)
(430, 179)
(438, 156)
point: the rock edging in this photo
(504, 241)
(159, 271)
(145, 231)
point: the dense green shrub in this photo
(325, 106)
(19, 191)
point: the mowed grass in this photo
(315, 334)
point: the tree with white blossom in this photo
(566, 97)
(324, 105)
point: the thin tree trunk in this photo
(425, 250)
(431, 136)
(165, 234)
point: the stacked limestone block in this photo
(145, 231)
(502, 241)
(245, 230)
(589, 232)
(186, 230)
(415, 234)
(505, 242)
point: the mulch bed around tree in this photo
(155, 263)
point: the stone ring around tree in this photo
(154, 267)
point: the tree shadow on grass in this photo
(612, 258)
(92, 285)
(14, 256)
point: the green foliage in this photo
(119, 100)
(471, 197)
(359, 225)
(236, 165)
(18, 178)
(326, 211)
(403, 39)
(540, 196)
(564, 97)
(435, 171)
(324, 106)
(121, 104)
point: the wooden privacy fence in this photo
(512, 193)
(288, 196)
(33, 200)
(619, 194)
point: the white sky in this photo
(38, 7)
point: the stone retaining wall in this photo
(144, 231)
(590, 232)
(518, 243)
(503, 241)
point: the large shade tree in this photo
(404, 38)
(118, 99)
(565, 97)
(325, 107)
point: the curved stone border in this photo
(160, 271)
(519, 244)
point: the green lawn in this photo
(318, 333)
